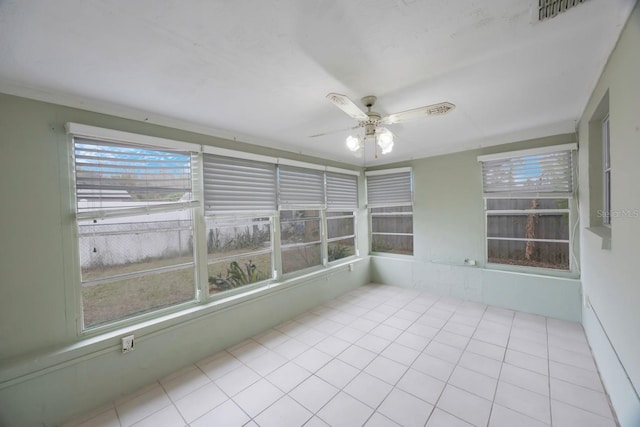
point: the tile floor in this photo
(384, 356)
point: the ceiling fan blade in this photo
(418, 113)
(347, 105)
(331, 132)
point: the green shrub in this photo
(236, 276)
(338, 252)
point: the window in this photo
(302, 202)
(598, 170)
(342, 202)
(532, 232)
(341, 233)
(300, 237)
(240, 252)
(164, 224)
(390, 202)
(135, 228)
(392, 230)
(239, 205)
(528, 207)
(606, 168)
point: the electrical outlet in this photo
(127, 344)
(351, 266)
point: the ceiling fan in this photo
(372, 121)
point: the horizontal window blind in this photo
(342, 191)
(112, 175)
(235, 185)
(538, 173)
(299, 186)
(389, 189)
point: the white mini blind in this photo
(532, 173)
(392, 189)
(342, 191)
(236, 185)
(113, 176)
(300, 186)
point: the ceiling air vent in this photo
(550, 8)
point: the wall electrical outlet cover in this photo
(127, 344)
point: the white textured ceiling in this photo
(259, 70)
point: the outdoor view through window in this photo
(138, 210)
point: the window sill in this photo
(604, 233)
(391, 255)
(533, 271)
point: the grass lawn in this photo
(129, 297)
(300, 257)
(120, 299)
(125, 298)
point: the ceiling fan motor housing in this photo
(371, 124)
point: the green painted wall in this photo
(47, 372)
(609, 256)
(449, 228)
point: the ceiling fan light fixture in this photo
(370, 121)
(353, 143)
(384, 139)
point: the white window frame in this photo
(106, 135)
(322, 241)
(570, 211)
(339, 206)
(497, 212)
(319, 204)
(606, 171)
(407, 200)
(354, 218)
(237, 176)
(199, 221)
(228, 219)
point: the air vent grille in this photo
(550, 8)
